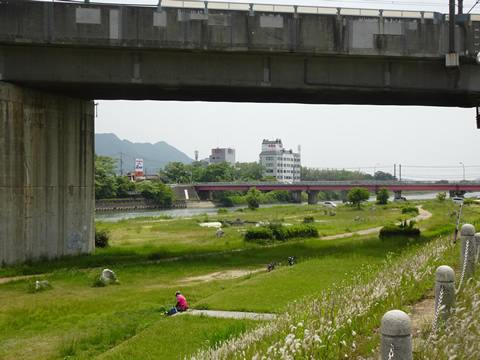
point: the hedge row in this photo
(282, 233)
(393, 231)
(410, 209)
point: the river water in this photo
(188, 212)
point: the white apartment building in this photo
(221, 154)
(283, 164)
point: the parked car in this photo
(458, 199)
(329, 204)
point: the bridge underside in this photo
(134, 74)
(46, 183)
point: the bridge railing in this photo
(294, 9)
(350, 183)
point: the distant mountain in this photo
(155, 156)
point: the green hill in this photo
(155, 156)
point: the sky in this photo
(430, 143)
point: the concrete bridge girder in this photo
(186, 54)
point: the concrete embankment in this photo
(128, 205)
(143, 204)
(186, 195)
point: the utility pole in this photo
(121, 163)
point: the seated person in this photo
(181, 302)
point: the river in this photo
(115, 216)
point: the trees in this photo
(215, 173)
(252, 171)
(175, 173)
(253, 198)
(310, 174)
(382, 196)
(157, 191)
(105, 185)
(358, 195)
(380, 175)
(124, 186)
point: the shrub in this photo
(404, 230)
(102, 237)
(261, 233)
(410, 209)
(382, 196)
(298, 231)
(308, 219)
(222, 211)
(99, 283)
(227, 201)
(280, 233)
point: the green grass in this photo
(125, 321)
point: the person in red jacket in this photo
(181, 302)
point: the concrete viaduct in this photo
(57, 57)
(313, 187)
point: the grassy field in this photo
(153, 258)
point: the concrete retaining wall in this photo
(122, 205)
(47, 176)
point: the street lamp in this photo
(463, 170)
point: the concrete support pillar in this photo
(344, 196)
(445, 278)
(396, 339)
(397, 194)
(467, 233)
(312, 197)
(47, 204)
(297, 196)
(205, 195)
(477, 247)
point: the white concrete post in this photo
(468, 235)
(477, 246)
(396, 338)
(445, 278)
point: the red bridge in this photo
(313, 187)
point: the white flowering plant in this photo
(335, 323)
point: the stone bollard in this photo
(396, 331)
(468, 235)
(477, 246)
(445, 277)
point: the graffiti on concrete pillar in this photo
(74, 241)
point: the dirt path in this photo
(230, 314)
(421, 316)
(423, 214)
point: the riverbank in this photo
(147, 204)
